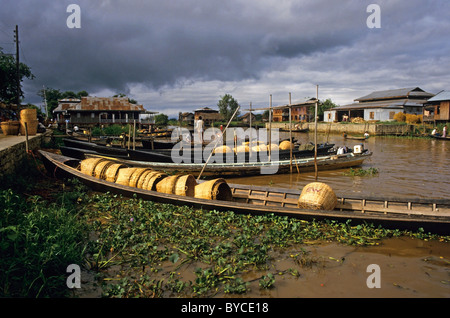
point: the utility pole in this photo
(16, 39)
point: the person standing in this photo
(444, 131)
(199, 128)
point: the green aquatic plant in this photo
(361, 172)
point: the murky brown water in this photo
(407, 167)
(408, 267)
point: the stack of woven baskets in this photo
(28, 119)
(148, 179)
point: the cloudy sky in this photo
(176, 56)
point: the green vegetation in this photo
(145, 249)
(110, 130)
(227, 106)
(361, 172)
(8, 78)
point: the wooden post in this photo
(129, 135)
(251, 135)
(134, 134)
(290, 132)
(315, 133)
(26, 137)
(270, 127)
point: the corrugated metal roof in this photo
(90, 103)
(395, 93)
(396, 103)
(444, 95)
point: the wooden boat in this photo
(213, 169)
(166, 154)
(430, 215)
(354, 137)
(440, 137)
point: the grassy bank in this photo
(140, 248)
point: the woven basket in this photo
(260, 147)
(124, 175)
(317, 196)
(100, 169)
(28, 114)
(112, 171)
(32, 126)
(10, 127)
(167, 185)
(223, 149)
(217, 189)
(134, 179)
(185, 185)
(284, 145)
(87, 166)
(143, 178)
(243, 148)
(152, 180)
(273, 147)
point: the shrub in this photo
(400, 117)
(412, 119)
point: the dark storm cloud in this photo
(159, 42)
(162, 45)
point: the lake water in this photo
(407, 167)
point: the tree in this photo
(161, 119)
(52, 96)
(227, 106)
(8, 78)
(322, 107)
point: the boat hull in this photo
(436, 222)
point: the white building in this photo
(381, 105)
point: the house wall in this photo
(380, 114)
(329, 116)
(444, 111)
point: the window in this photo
(78, 115)
(372, 115)
(329, 115)
(92, 115)
(391, 115)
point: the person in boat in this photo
(366, 135)
(444, 131)
(344, 134)
(435, 132)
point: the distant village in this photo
(378, 106)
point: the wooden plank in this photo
(384, 209)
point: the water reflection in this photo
(408, 167)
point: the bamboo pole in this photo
(217, 141)
(129, 135)
(270, 127)
(315, 133)
(251, 135)
(134, 134)
(26, 136)
(290, 132)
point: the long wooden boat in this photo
(355, 137)
(440, 137)
(430, 215)
(251, 168)
(153, 155)
(74, 148)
